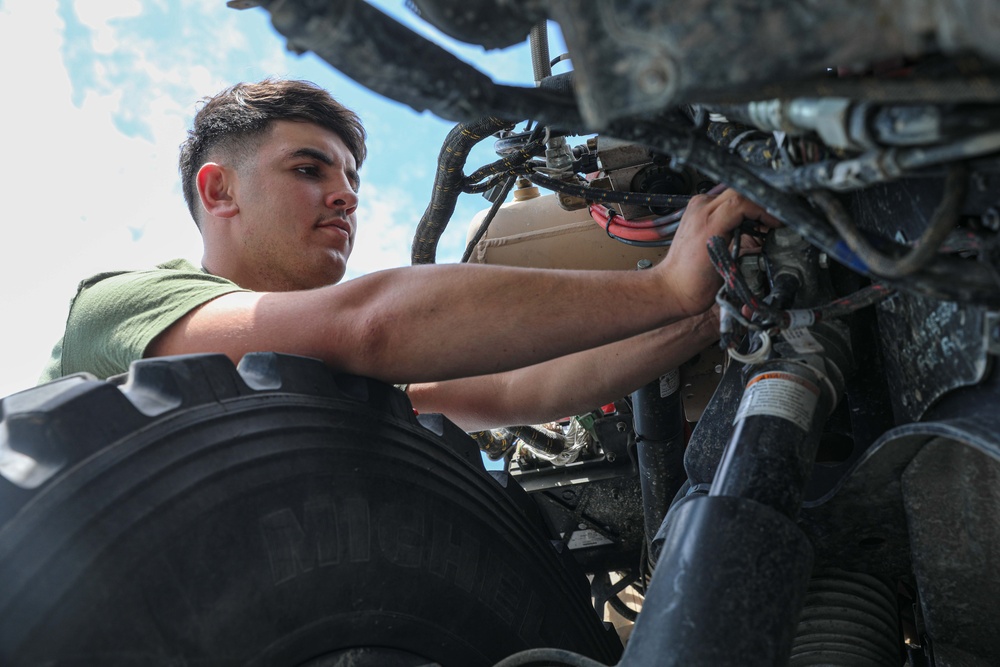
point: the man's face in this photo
(297, 198)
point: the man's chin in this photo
(333, 273)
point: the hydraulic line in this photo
(538, 39)
(448, 182)
(942, 221)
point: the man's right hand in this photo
(687, 271)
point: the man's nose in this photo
(342, 195)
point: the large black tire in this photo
(277, 514)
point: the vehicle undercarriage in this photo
(820, 488)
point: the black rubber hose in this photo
(448, 182)
(942, 221)
(488, 219)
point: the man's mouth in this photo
(336, 223)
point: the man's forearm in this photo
(431, 323)
(569, 385)
(448, 321)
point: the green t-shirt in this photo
(115, 316)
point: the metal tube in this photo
(658, 419)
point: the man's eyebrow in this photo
(313, 153)
(319, 155)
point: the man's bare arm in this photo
(439, 322)
(569, 385)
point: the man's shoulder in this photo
(115, 315)
(174, 268)
(180, 264)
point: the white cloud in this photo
(88, 175)
(99, 17)
(75, 185)
(386, 220)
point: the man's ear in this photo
(215, 189)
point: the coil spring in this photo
(849, 619)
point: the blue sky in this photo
(97, 96)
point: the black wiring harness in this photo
(941, 265)
(743, 311)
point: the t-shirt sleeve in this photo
(115, 317)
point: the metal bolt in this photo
(611, 457)
(643, 264)
(582, 526)
(621, 426)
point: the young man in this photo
(270, 175)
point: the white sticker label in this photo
(780, 395)
(670, 383)
(801, 318)
(802, 341)
(582, 539)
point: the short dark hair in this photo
(236, 119)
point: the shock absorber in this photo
(734, 568)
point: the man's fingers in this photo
(728, 209)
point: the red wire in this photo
(631, 232)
